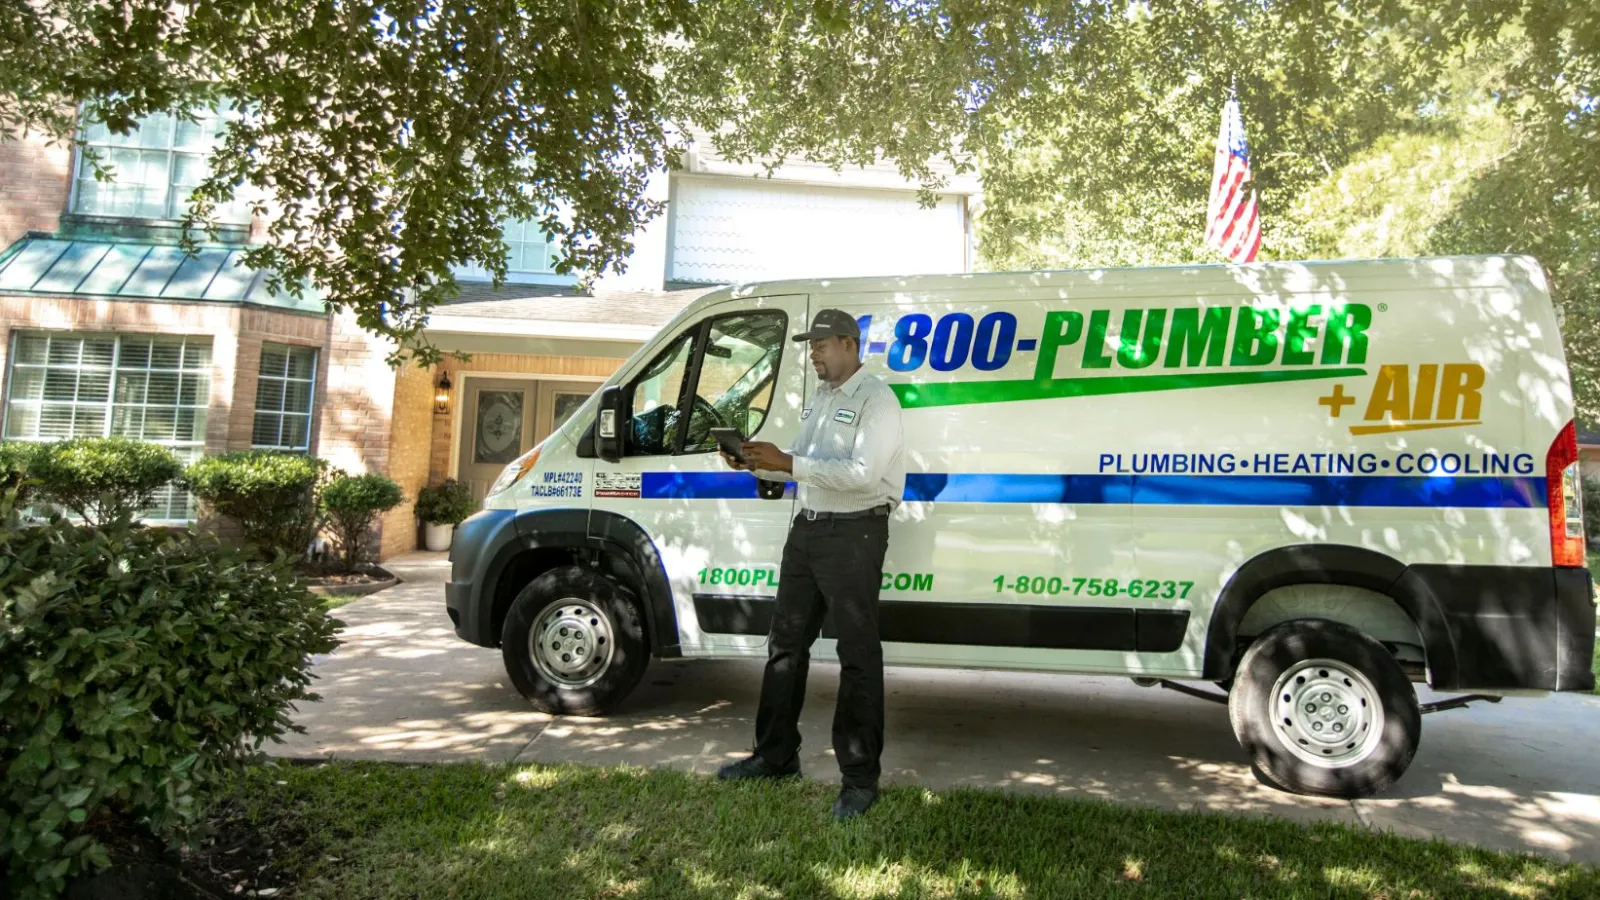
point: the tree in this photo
(391, 138)
(1481, 175)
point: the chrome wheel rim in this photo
(571, 644)
(1327, 713)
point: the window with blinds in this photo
(154, 388)
(287, 379)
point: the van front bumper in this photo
(477, 543)
(1505, 627)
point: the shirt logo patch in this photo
(805, 413)
(847, 416)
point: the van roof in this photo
(1266, 277)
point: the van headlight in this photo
(515, 470)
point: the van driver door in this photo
(720, 532)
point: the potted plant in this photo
(440, 507)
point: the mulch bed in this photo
(331, 579)
(235, 859)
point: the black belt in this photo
(811, 515)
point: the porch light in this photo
(441, 394)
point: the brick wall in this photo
(358, 416)
(410, 440)
(358, 399)
(34, 181)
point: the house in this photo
(1589, 458)
(107, 328)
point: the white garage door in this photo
(730, 230)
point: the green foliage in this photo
(388, 148)
(351, 505)
(16, 459)
(138, 669)
(445, 504)
(1478, 177)
(270, 494)
(1115, 167)
(388, 140)
(103, 480)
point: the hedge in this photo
(271, 495)
(138, 668)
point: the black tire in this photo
(587, 614)
(1377, 750)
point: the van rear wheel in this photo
(1324, 709)
(573, 642)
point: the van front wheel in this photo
(1322, 708)
(573, 642)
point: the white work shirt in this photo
(850, 453)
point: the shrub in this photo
(271, 495)
(351, 505)
(103, 480)
(16, 459)
(445, 504)
(138, 669)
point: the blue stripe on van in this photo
(1232, 490)
(1156, 490)
(699, 486)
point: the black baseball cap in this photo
(832, 323)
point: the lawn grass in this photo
(336, 602)
(373, 830)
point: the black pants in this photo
(837, 565)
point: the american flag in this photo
(1233, 226)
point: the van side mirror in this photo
(610, 425)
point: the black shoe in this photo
(853, 801)
(757, 767)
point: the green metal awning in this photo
(138, 271)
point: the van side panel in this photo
(1417, 442)
(1087, 451)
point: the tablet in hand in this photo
(731, 442)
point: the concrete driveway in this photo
(1520, 775)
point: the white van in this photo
(1309, 483)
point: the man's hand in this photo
(767, 457)
(732, 463)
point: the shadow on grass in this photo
(380, 831)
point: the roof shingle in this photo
(560, 303)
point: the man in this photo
(849, 463)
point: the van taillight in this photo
(1565, 499)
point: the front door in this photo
(558, 400)
(498, 427)
(719, 539)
